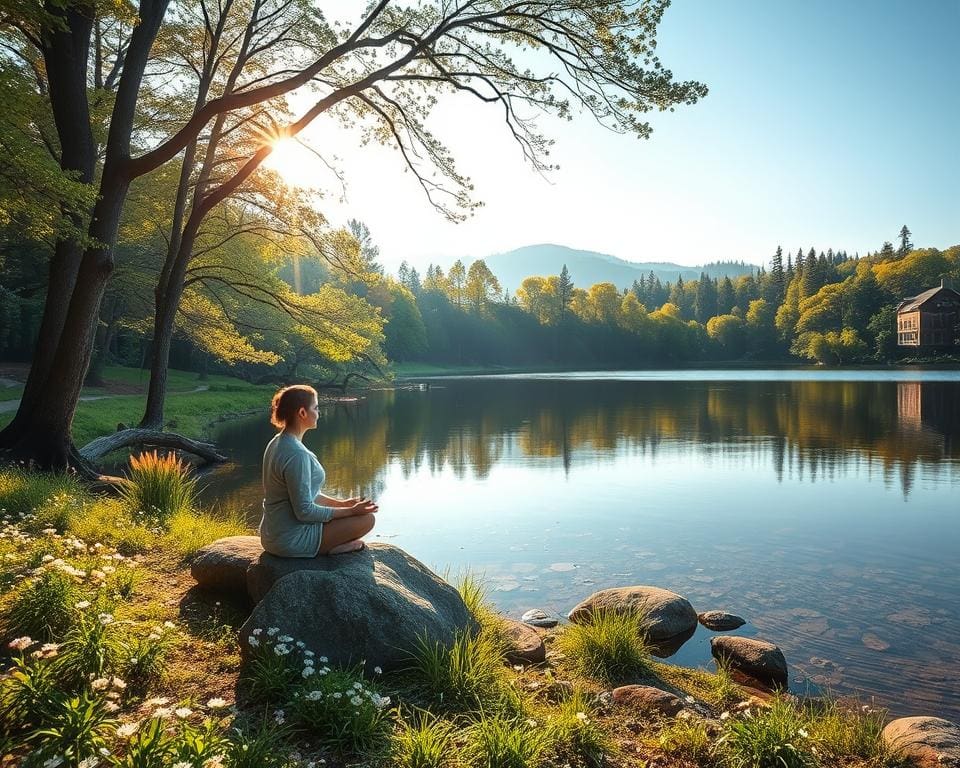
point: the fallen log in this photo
(149, 438)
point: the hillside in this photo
(589, 267)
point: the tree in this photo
(705, 304)
(729, 332)
(481, 287)
(778, 274)
(564, 289)
(457, 281)
(905, 245)
(373, 75)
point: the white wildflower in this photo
(803, 733)
(105, 618)
(253, 641)
(169, 625)
(281, 650)
(285, 639)
(377, 671)
(279, 717)
(100, 684)
(271, 631)
(47, 559)
(307, 672)
(324, 659)
(53, 762)
(216, 703)
(337, 695)
(183, 712)
(156, 701)
(356, 701)
(162, 713)
(257, 630)
(127, 730)
(88, 762)
(82, 605)
(20, 643)
(582, 717)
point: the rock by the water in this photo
(524, 644)
(371, 606)
(537, 618)
(646, 699)
(222, 566)
(666, 613)
(268, 569)
(760, 660)
(928, 741)
(720, 621)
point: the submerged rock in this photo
(372, 606)
(928, 741)
(666, 613)
(222, 566)
(537, 618)
(720, 621)
(524, 644)
(759, 660)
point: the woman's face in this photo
(311, 415)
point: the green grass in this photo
(776, 737)
(423, 742)
(609, 646)
(504, 742)
(187, 412)
(841, 730)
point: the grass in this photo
(159, 487)
(188, 412)
(609, 646)
(107, 650)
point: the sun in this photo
(292, 161)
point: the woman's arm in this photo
(330, 501)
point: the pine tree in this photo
(776, 271)
(905, 245)
(403, 274)
(564, 291)
(810, 283)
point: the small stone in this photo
(524, 644)
(647, 699)
(537, 618)
(760, 660)
(931, 742)
(720, 621)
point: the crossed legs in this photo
(345, 534)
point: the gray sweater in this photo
(292, 522)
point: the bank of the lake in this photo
(158, 668)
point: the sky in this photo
(828, 124)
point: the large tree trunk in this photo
(40, 433)
(164, 323)
(97, 449)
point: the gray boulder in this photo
(537, 618)
(222, 566)
(927, 741)
(757, 659)
(371, 606)
(666, 613)
(720, 621)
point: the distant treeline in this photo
(826, 307)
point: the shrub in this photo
(501, 742)
(78, 728)
(25, 694)
(467, 675)
(149, 746)
(609, 646)
(196, 744)
(43, 607)
(341, 711)
(145, 658)
(427, 742)
(89, 650)
(159, 487)
(777, 737)
(275, 666)
(575, 731)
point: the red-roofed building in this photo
(930, 319)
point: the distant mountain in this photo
(589, 267)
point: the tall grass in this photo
(424, 742)
(576, 733)
(159, 487)
(466, 676)
(775, 737)
(844, 730)
(609, 646)
(42, 607)
(505, 742)
(22, 492)
(188, 531)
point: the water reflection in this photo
(822, 511)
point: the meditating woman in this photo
(298, 520)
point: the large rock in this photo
(268, 569)
(645, 699)
(667, 614)
(720, 621)
(759, 660)
(524, 644)
(928, 741)
(371, 606)
(222, 566)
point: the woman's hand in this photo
(361, 506)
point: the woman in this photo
(298, 520)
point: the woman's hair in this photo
(288, 401)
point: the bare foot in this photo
(349, 546)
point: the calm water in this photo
(821, 506)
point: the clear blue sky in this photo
(828, 124)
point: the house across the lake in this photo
(930, 319)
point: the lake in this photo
(822, 506)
